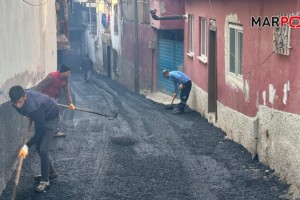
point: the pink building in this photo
(169, 46)
(246, 79)
(160, 41)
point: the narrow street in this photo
(146, 153)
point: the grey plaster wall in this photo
(12, 127)
(28, 52)
(124, 73)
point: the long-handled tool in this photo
(14, 194)
(170, 107)
(110, 116)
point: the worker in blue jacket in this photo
(45, 114)
(184, 83)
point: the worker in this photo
(185, 85)
(52, 86)
(44, 112)
(87, 66)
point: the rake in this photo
(110, 116)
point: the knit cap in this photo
(64, 68)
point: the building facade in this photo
(156, 48)
(245, 77)
(168, 23)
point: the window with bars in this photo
(235, 49)
(282, 37)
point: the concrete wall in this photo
(126, 58)
(11, 136)
(278, 144)
(28, 43)
(116, 38)
(28, 52)
(99, 50)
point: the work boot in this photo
(59, 134)
(52, 176)
(42, 186)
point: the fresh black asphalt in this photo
(146, 153)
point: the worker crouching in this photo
(45, 114)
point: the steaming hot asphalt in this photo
(146, 153)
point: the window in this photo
(116, 30)
(191, 36)
(203, 40)
(235, 49)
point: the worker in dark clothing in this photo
(53, 84)
(183, 82)
(45, 114)
(86, 66)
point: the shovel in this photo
(171, 107)
(110, 116)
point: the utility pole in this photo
(90, 16)
(136, 50)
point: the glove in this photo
(24, 151)
(72, 107)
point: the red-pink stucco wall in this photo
(259, 69)
(165, 8)
(146, 33)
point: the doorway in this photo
(212, 68)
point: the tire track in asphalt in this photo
(95, 143)
(141, 130)
(212, 176)
(146, 153)
(169, 145)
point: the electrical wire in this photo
(262, 62)
(258, 64)
(122, 2)
(41, 4)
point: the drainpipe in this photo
(168, 17)
(136, 50)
